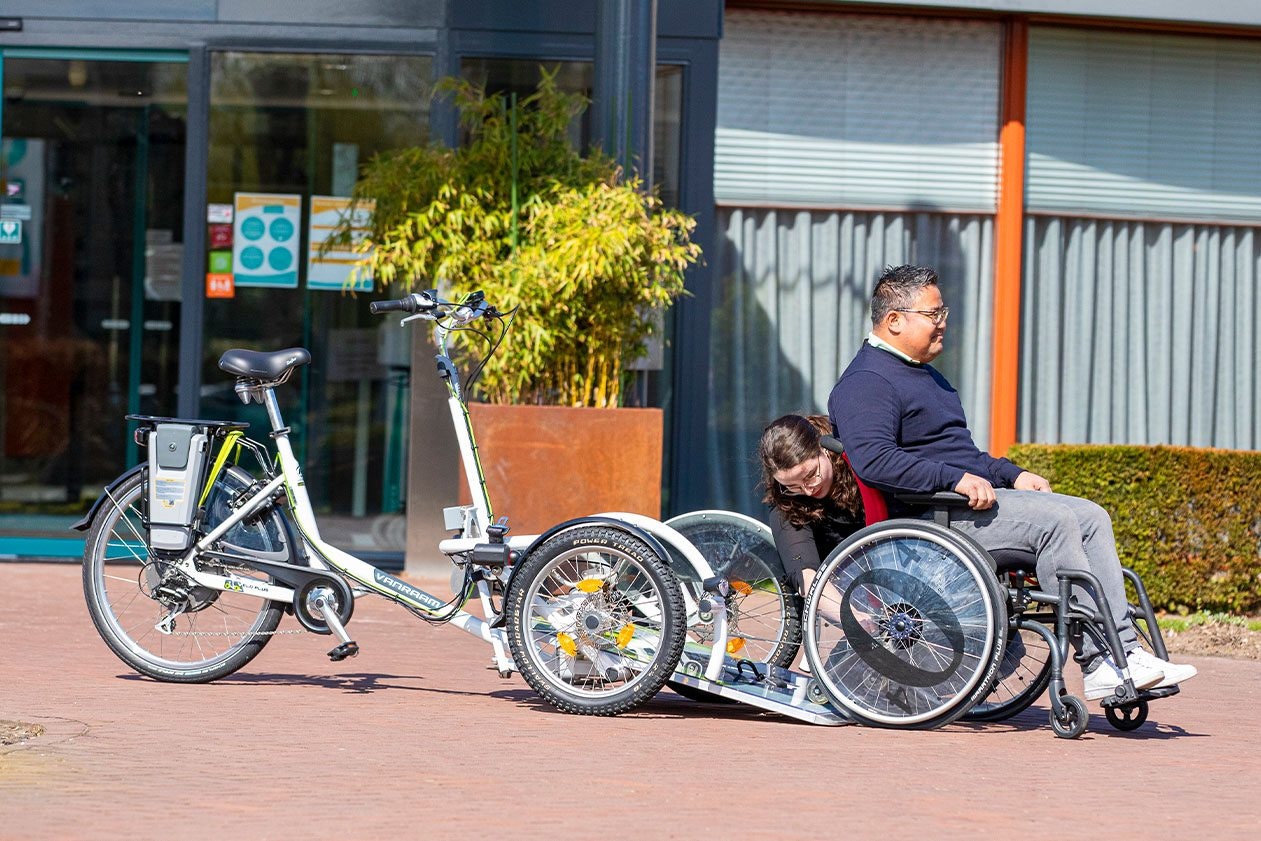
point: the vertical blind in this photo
(1142, 251)
(792, 310)
(1141, 333)
(845, 143)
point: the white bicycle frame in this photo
(476, 520)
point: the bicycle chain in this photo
(233, 633)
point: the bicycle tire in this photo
(220, 631)
(905, 625)
(595, 620)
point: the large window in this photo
(845, 143)
(92, 170)
(1142, 246)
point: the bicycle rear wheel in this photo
(130, 590)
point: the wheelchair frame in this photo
(888, 680)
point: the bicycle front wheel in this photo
(130, 591)
(595, 620)
(763, 607)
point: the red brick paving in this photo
(416, 738)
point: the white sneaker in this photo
(1106, 678)
(1174, 673)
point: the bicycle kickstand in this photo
(348, 647)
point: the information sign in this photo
(265, 239)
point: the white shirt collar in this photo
(877, 342)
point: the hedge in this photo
(1187, 520)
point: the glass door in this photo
(91, 209)
(287, 135)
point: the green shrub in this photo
(1187, 520)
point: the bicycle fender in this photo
(86, 522)
(578, 522)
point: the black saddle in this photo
(263, 365)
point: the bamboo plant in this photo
(581, 249)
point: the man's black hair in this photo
(897, 289)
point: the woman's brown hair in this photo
(789, 441)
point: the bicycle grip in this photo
(401, 305)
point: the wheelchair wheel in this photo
(763, 608)
(595, 620)
(905, 625)
(1075, 720)
(1023, 673)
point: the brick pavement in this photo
(416, 738)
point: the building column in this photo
(625, 75)
(1009, 232)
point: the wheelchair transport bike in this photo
(191, 561)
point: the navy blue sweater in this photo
(904, 429)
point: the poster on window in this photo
(22, 212)
(335, 268)
(265, 239)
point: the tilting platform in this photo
(767, 687)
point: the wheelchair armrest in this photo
(937, 499)
(941, 503)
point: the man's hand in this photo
(980, 493)
(1031, 482)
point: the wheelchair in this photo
(910, 624)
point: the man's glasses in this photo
(807, 485)
(936, 316)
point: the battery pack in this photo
(177, 468)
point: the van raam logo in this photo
(404, 589)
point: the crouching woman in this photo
(814, 500)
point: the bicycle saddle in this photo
(263, 365)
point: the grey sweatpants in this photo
(1066, 532)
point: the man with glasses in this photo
(904, 429)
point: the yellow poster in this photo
(335, 269)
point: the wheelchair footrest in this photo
(1143, 695)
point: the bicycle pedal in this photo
(341, 652)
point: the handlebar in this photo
(428, 305)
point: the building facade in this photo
(1084, 175)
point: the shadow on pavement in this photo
(360, 683)
(1036, 718)
(666, 705)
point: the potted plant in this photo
(584, 254)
